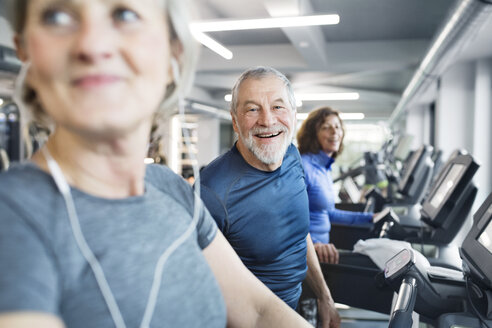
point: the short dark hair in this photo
(307, 136)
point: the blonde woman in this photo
(89, 235)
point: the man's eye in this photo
(125, 15)
(252, 109)
(278, 107)
(57, 17)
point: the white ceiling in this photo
(374, 50)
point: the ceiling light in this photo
(149, 160)
(212, 44)
(1, 101)
(212, 110)
(327, 96)
(272, 22)
(298, 102)
(352, 116)
(343, 116)
(198, 29)
(228, 97)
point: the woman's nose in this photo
(94, 41)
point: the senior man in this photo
(257, 194)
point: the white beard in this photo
(268, 154)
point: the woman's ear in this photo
(20, 48)
(176, 52)
(176, 49)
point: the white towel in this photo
(380, 250)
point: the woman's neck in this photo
(111, 168)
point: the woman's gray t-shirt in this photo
(42, 268)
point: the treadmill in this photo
(443, 297)
(443, 215)
(411, 189)
(452, 190)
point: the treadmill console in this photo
(441, 203)
(399, 264)
(414, 163)
(477, 246)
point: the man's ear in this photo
(20, 48)
(234, 123)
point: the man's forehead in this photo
(264, 86)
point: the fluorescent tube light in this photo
(212, 110)
(352, 116)
(212, 44)
(272, 22)
(198, 29)
(343, 116)
(149, 160)
(228, 98)
(327, 96)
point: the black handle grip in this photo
(402, 313)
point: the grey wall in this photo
(464, 119)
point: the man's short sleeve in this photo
(206, 227)
(28, 280)
(216, 208)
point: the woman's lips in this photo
(99, 80)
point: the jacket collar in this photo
(323, 160)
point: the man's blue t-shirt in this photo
(264, 216)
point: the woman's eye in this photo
(125, 15)
(57, 17)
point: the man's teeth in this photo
(268, 135)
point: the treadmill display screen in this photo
(485, 237)
(451, 179)
(397, 263)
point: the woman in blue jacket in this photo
(320, 141)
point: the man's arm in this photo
(326, 306)
(249, 303)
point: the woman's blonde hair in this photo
(178, 15)
(307, 136)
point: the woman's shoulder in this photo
(156, 171)
(308, 160)
(21, 178)
(165, 180)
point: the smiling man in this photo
(257, 193)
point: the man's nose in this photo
(267, 117)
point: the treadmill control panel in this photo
(399, 264)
